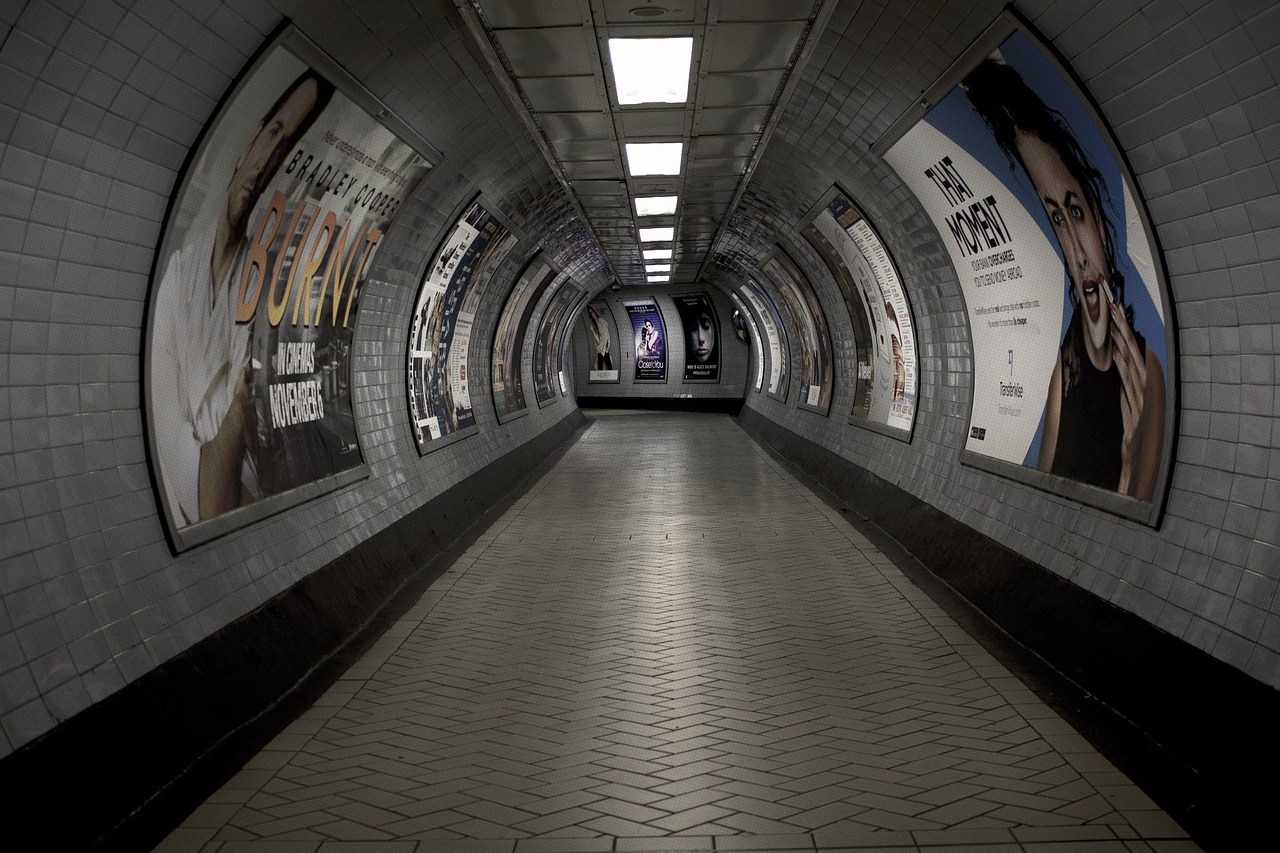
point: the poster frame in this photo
(475, 197)
(684, 331)
(569, 317)
(653, 301)
(613, 330)
(287, 37)
(806, 222)
(782, 257)
(1149, 513)
(538, 256)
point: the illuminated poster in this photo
(508, 338)
(701, 337)
(546, 346)
(601, 335)
(440, 336)
(811, 329)
(255, 295)
(885, 390)
(775, 337)
(1066, 309)
(650, 341)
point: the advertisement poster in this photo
(601, 335)
(650, 341)
(255, 295)
(775, 338)
(885, 391)
(508, 338)
(1059, 276)
(440, 337)
(742, 318)
(701, 337)
(547, 345)
(816, 374)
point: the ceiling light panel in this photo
(654, 158)
(657, 279)
(655, 205)
(651, 71)
(657, 267)
(656, 254)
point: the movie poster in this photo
(650, 341)
(508, 338)
(601, 335)
(1071, 369)
(440, 336)
(255, 295)
(701, 337)
(816, 374)
(775, 337)
(547, 345)
(885, 389)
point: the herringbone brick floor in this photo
(670, 644)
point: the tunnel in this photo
(331, 329)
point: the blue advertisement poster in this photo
(1065, 304)
(650, 341)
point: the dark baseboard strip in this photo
(121, 774)
(1201, 737)
(712, 405)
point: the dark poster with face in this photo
(1066, 307)
(255, 296)
(701, 337)
(650, 341)
(440, 336)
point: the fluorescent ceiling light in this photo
(654, 158)
(658, 278)
(656, 235)
(657, 267)
(656, 254)
(647, 71)
(655, 205)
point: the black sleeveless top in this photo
(1091, 428)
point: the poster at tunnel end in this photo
(650, 339)
(256, 290)
(701, 337)
(1066, 304)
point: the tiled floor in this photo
(670, 644)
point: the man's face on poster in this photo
(266, 151)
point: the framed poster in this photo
(440, 335)
(775, 337)
(701, 337)
(650, 340)
(255, 292)
(1063, 282)
(601, 334)
(507, 362)
(884, 333)
(547, 345)
(742, 319)
(816, 368)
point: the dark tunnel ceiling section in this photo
(554, 56)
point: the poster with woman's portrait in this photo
(601, 336)
(701, 337)
(440, 335)
(649, 338)
(1066, 304)
(256, 289)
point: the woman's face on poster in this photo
(702, 337)
(1079, 229)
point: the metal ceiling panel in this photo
(749, 47)
(763, 10)
(586, 149)
(705, 166)
(739, 89)
(592, 170)
(558, 52)
(639, 124)
(732, 120)
(563, 94)
(502, 14)
(581, 125)
(723, 146)
(676, 11)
